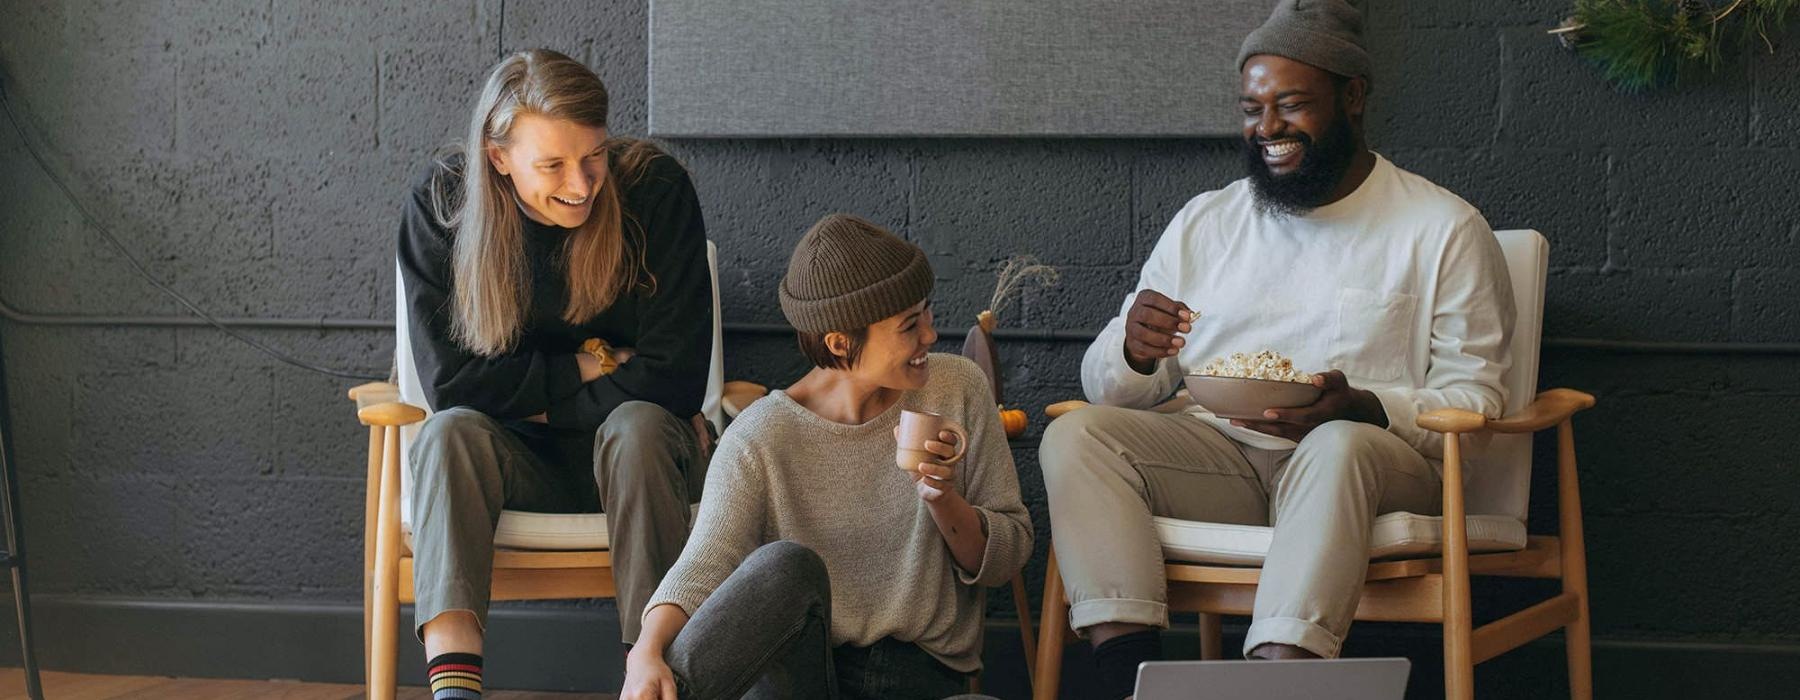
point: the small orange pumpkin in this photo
(1013, 420)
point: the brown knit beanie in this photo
(848, 273)
(1325, 34)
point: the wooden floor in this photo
(79, 686)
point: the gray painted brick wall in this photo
(254, 153)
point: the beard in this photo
(1299, 192)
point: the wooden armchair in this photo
(1414, 590)
(1481, 532)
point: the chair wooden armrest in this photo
(738, 395)
(1548, 410)
(358, 392)
(390, 413)
(1452, 420)
(378, 404)
(1176, 404)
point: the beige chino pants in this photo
(1109, 470)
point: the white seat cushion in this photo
(520, 529)
(1394, 536)
(555, 531)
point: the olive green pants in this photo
(466, 467)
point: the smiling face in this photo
(1300, 131)
(892, 352)
(555, 165)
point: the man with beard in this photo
(1391, 289)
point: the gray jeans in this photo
(467, 467)
(766, 633)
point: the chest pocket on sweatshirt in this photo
(1374, 334)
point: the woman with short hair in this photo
(817, 569)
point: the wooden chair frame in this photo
(1414, 590)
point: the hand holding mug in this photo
(929, 445)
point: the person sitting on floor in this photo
(817, 569)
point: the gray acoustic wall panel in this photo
(796, 68)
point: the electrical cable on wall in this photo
(6, 101)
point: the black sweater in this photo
(669, 326)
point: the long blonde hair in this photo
(491, 276)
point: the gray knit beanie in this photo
(1321, 33)
(848, 273)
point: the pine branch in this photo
(1642, 44)
(1769, 15)
(1629, 39)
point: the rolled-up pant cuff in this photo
(1088, 613)
(1295, 632)
(450, 597)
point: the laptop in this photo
(1310, 679)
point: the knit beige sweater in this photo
(784, 473)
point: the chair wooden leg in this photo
(1574, 565)
(1027, 639)
(1459, 655)
(1212, 636)
(371, 515)
(1581, 660)
(1053, 628)
(384, 651)
(1459, 667)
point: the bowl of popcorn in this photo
(1242, 386)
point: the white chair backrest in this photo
(1498, 477)
(412, 390)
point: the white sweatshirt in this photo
(1400, 285)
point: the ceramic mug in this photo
(916, 427)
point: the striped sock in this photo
(455, 677)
